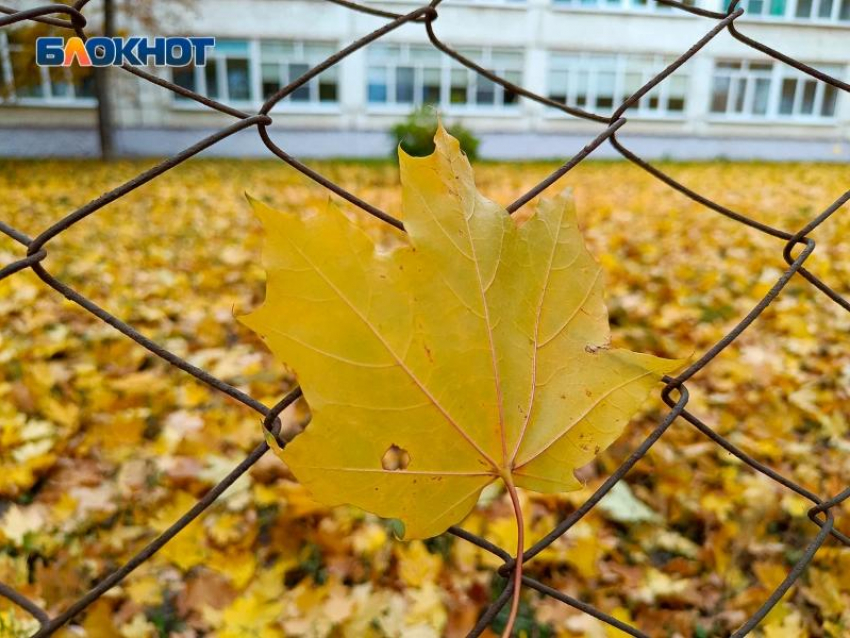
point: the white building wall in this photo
(538, 27)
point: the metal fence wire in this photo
(797, 247)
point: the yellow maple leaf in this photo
(478, 334)
(475, 348)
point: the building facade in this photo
(729, 100)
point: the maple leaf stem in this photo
(509, 627)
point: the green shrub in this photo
(416, 134)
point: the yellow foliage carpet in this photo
(102, 445)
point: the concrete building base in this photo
(148, 142)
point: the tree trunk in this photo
(102, 77)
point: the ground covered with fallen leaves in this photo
(103, 445)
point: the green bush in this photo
(416, 134)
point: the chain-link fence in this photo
(675, 393)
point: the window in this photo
(741, 88)
(246, 71)
(591, 3)
(284, 62)
(763, 7)
(767, 90)
(801, 95)
(622, 5)
(226, 75)
(831, 10)
(404, 74)
(23, 81)
(479, 91)
(408, 74)
(601, 82)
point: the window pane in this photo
(677, 85)
(404, 84)
(777, 7)
(514, 77)
(485, 91)
(476, 54)
(59, 85)
(431, 86)
(804, 8)
(184, 76)
(270, 72)
(26, 75)
(844, 12)
(302, 93)
(755, 7)
(825, 9)
(632, 82)
(426, 55)
(231, 47)
(581, 80)
(318, 52)
(677, 88)
(558, 83)
(830, 96)
(30, 89)
(238, 83)
(832, 69)
(762, 90)
(676, 104)
(506, 59)
(457, 94)
(211, 77)
(786, 100)
(84, 84)
(562, 61)
(808, 106)
(270, 79)
(383, 52)
(377, 91)
(327, 89)
(740, 95)
(275, 49)
(605, 82)
(720, 94)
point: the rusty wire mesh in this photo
(674, 394)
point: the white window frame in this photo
(501, 4)
(445, 65)
(750, 76)
(255, 80)
(9, 96)
(588, 61)
(299, 56)
(220, 58)
(776, 75)
(790, 12)
(519, 4)
(649, 6)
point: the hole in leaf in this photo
(395, 458)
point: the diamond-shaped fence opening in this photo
(796, 247)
